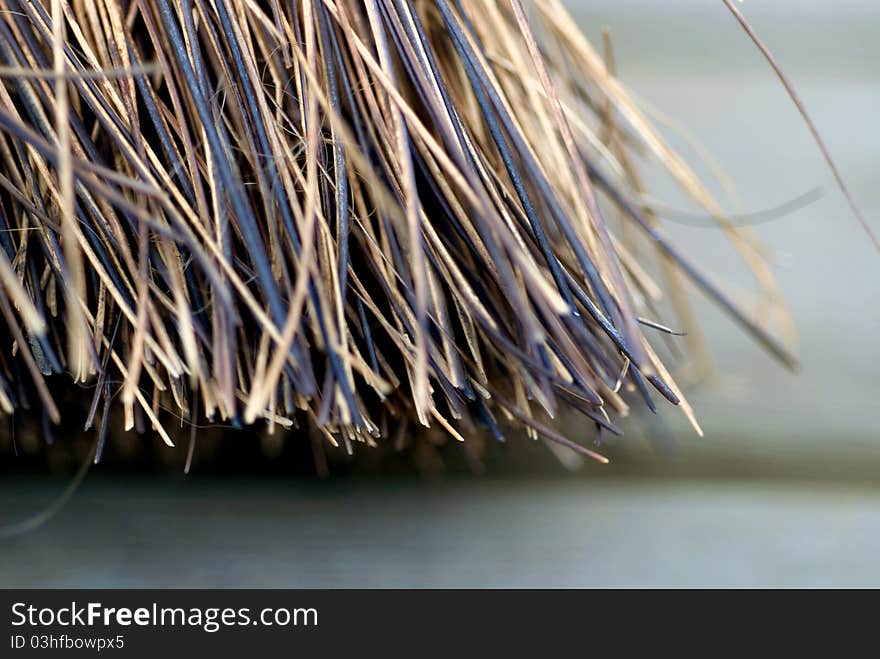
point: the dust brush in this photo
(352, 216)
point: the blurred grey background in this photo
(783, 491)
(691, 61)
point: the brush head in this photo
(358, 216)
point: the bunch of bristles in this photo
(352, 216)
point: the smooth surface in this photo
(461, 534)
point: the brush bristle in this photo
(347, 214)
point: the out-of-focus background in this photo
(690, 61)
(782, 491)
